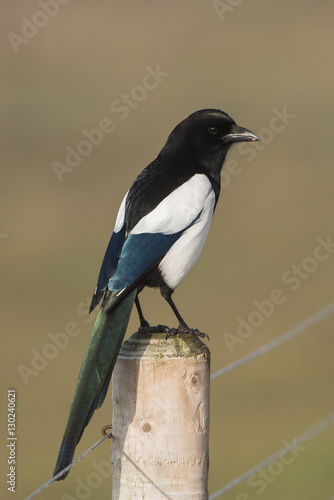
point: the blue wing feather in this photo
(109, 265)
(111, 257)
(139, 252)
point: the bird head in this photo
(207, 135)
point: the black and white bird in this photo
(160, 231)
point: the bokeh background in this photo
(254, 60)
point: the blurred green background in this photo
(253, 60)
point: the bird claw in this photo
(153, 329)
(186, 329)
(147, 328)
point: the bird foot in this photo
(185, 329)
(153, 329)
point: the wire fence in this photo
(281, 339)
(298, 441)
(66, 469)
(301, 327)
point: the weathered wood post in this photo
(160, 425)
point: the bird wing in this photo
(130, 256)
(111, 256)
(156, 232)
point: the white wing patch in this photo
(184, 253)
(120, 216)
(178, 209)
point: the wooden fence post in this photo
(160, 421)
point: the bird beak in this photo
(240, 134)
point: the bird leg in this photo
(166, 292)
(145, 327)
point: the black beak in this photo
(240, 134)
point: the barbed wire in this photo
(281, 339)
(303, 438)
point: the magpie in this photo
(160, 231)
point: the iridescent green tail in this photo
(95, 375)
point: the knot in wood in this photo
(146, 427)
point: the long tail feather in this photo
(95, 374)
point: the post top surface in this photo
(155, 345)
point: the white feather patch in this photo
(184, 253)
(178, 209)
(120, 216)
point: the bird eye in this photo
(213, 130)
